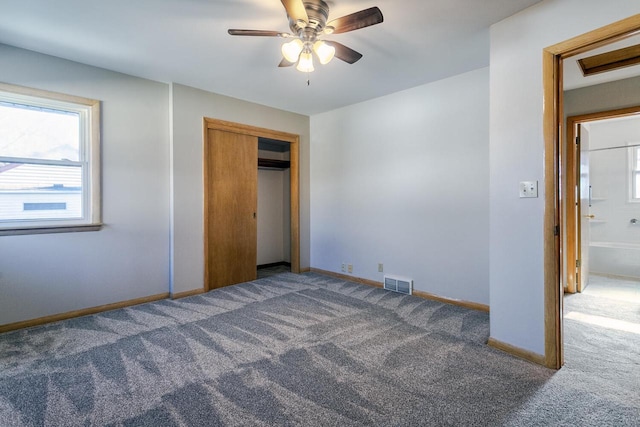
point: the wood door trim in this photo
(552, 229)
(572, 168)
(601, 115)
(571, 163)
(250, 130)
(552, 131)
(294, 185)
(603, 36)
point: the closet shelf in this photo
(274, 164)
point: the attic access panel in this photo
(610, 61)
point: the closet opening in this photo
(274, 199)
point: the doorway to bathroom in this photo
(558, 263)
(601, 303)
(603, 204)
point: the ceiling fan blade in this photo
(356, 20)
(295, 10)
(345, 53)
(285, 63)
(261, 33)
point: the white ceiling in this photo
(186, 41)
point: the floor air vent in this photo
(398, 284)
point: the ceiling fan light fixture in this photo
(324, 51)
(309, 23)
(305, 63)
(291, 50)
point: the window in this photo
(634, 167)
(49, 162)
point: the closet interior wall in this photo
(274, 222)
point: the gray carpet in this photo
(272, 271)
(599, 384)
(293, 349)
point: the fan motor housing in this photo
(318, 13)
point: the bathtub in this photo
(615, 258)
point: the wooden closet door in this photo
(232, 225)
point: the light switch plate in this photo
(528, 189)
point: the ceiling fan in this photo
(308, 23)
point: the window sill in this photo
(50, 229)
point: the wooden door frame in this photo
(294, 183)
(554, 169)
(572, 179)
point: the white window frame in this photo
(89, 160)
(632, 172)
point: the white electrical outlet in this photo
(528, 189)
(380, 267)
(350, 268)
(344, 267)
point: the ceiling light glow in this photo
(291, 50)
(324, 51)
(305, 63)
